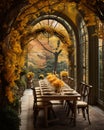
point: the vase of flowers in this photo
(41, 76)
(57, 84)
(30, 77)
(64, 74)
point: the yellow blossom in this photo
(30, 75)
(58, 83)
(52, 79)
(64, 73)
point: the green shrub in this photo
(9, 119)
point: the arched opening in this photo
(52, 29)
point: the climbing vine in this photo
(18, 32)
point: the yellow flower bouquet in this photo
(52, 79)
(64, 74)
(58, 84)
(50, 76)
(30, 75)
(41, 76)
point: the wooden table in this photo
(47, 94)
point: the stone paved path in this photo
(26, 112)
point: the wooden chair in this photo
(71, 82)
(40, 104)
(65, 79)
(83, 101)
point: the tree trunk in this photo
(55, 62)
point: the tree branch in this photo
(45, 47)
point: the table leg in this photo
(46, 117)
(75, 113)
